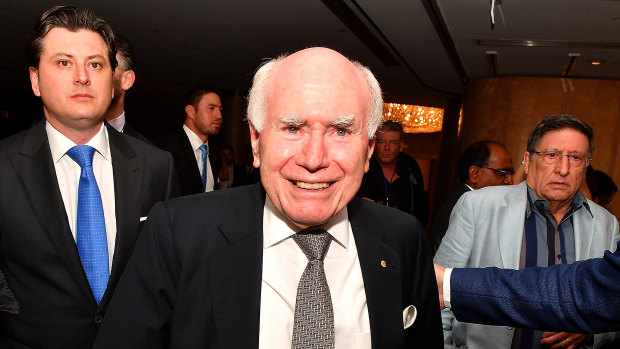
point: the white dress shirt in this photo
(196, 142)
(68, 175)
(446, 287)
(283, 264)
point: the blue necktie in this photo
(205, 151)
(91, 237)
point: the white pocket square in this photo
(409, 315)
(142, 219)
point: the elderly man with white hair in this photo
(294, 261)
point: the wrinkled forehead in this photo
(318, 79)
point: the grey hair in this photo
(257, 98)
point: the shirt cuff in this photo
(446, 287)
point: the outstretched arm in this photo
(581, 297)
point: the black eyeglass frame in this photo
(504, 172)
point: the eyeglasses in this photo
(504, 172)
(551, 157)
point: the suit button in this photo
(98, 319)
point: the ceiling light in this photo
(414, 118)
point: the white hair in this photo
(257, 98)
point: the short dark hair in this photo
(124, 49)
(559, 122)
(476, 154)
(392, 126)
(72, 19)
(194, 95)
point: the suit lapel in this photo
(128, 172)
(382, 284)
(34, 165)
(511, 218)
(236, 275)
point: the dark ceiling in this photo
(422, 51)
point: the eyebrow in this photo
(292, 120)
(344, 122)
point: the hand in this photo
(556, 340)
(439, 275)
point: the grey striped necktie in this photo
(313, 326)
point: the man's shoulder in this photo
(237, 199)
(366, 214)
(14, 142)
(492, 194)
(140, 147)
(599, 212)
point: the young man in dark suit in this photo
(198, 163)
(74, 191)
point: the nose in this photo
(562, 167)
(81, 75)
(218, 113)
(313, 155)
(508, 179)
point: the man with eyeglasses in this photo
(484, 163)
(543, 221)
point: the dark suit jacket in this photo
(582, 297)
(38, 254)
(179, 146)
(411, 199)
(194, 280)
(442, 217)
(129, 130)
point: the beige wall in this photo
(507, 109)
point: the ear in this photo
(127, 79)
(34, 81)
(402, 145)
(526, 161)
(254, 139)
(371, 149)
(474, 174)
(190, 111)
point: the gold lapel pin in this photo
(383, 264)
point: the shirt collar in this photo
(277, 227)
(578, 202)
(60, 144)
(118, 122)
(194, 140)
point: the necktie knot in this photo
(82, 154)
(204, 150)
(314, 244)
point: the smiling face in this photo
(557, 183)
(314, 147)
(74, 80)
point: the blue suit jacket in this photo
(580, 297)
(486, 230)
